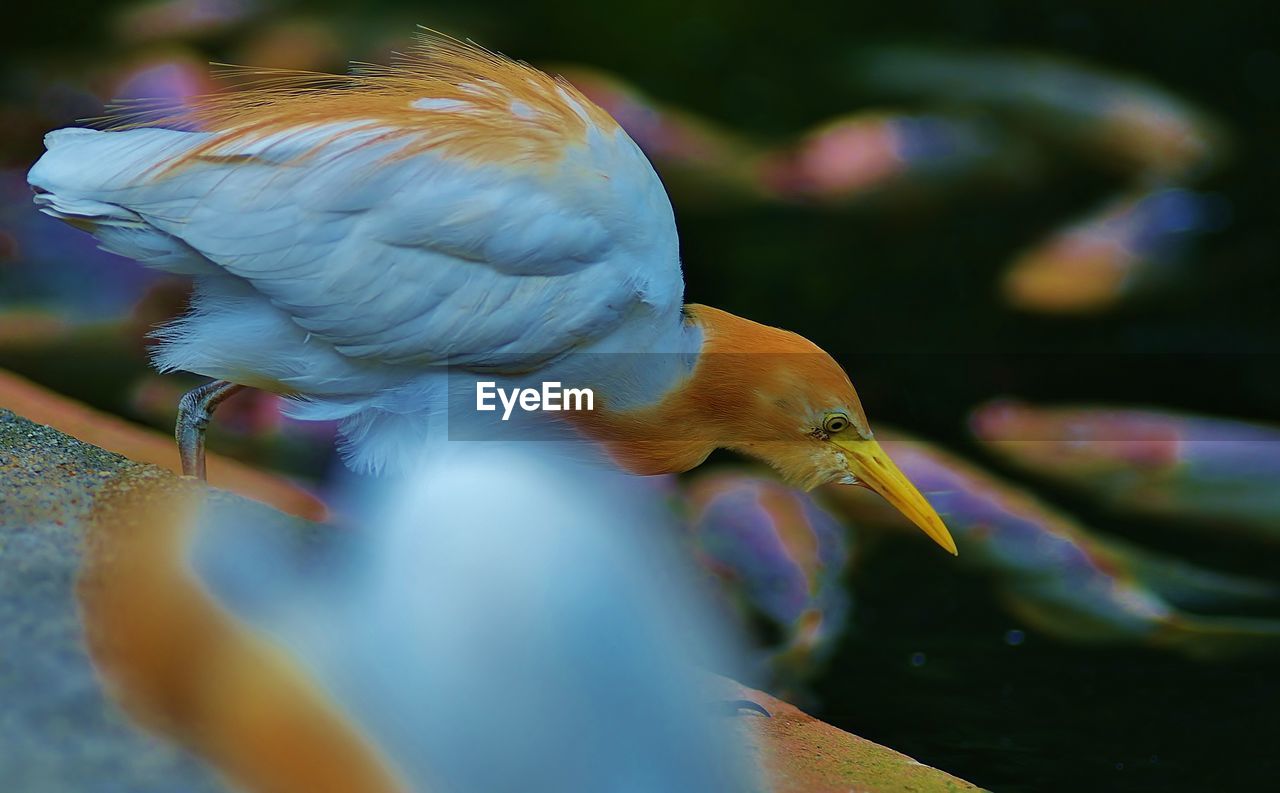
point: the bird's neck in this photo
(706, 387)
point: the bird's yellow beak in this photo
(873, 469)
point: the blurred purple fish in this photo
(779, 556)
(1214, 471)
(864, 152)
(1121, 121)
(846, 158)
(1093, 262)
(1060, 577)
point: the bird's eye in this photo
(836, 422)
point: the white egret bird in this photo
(355, 239)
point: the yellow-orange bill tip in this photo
(872, 467)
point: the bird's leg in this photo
(194, 412)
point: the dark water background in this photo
(934, 671)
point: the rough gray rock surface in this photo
(58, 730)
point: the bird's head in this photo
(778, 397)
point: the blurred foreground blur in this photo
(407, 651)
(470, 639)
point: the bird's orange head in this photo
(775, 396)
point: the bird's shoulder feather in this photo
(442, 95)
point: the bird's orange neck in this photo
(716, 406)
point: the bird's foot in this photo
(194, 413)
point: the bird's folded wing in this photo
(405, 246)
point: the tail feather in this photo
(86, 178)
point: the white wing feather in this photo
(416, 260)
